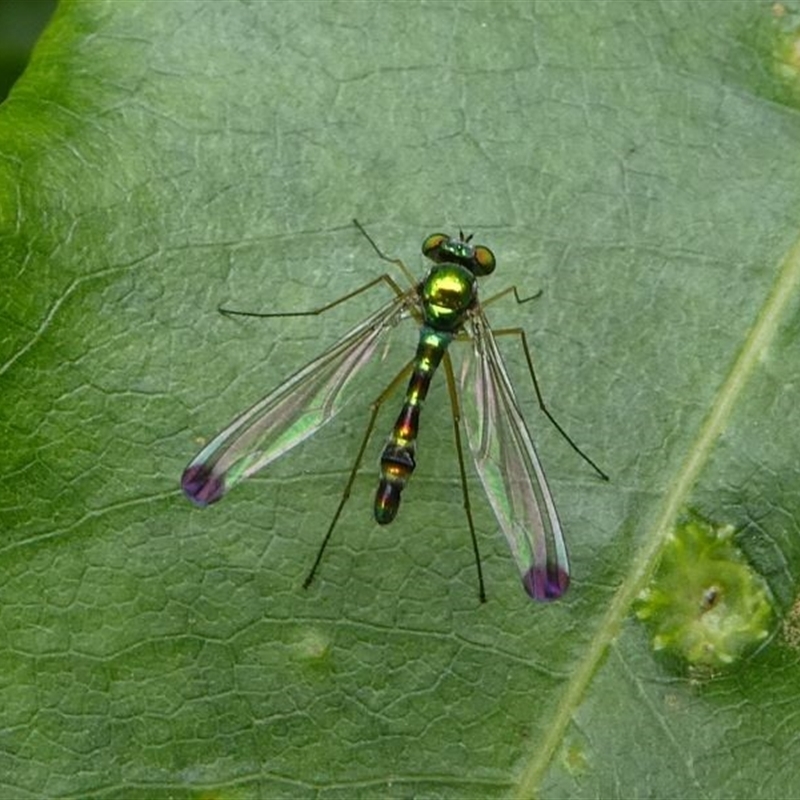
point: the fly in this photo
(445, 306)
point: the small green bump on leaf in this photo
(791, 626)
(313, 648)
(575, 759)
(705, 603)
(222, 794)
(786, 45)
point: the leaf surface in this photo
(637, 162)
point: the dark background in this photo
(21, 23)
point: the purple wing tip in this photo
(201, 486)
(546, 583)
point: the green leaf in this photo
(637, 162)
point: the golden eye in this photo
(433, 243)
(484, 258)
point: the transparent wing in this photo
(295, 410)
(509, 468)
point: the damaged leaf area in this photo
(705, 602)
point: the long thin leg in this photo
(385, 278)
(510, 290)
(396, 261)
(376, 406)
(454, 404)
(521, 333)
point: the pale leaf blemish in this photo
(705, 602)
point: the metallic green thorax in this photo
(447, 293)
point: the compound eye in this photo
(432, 245)
(484, 258)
